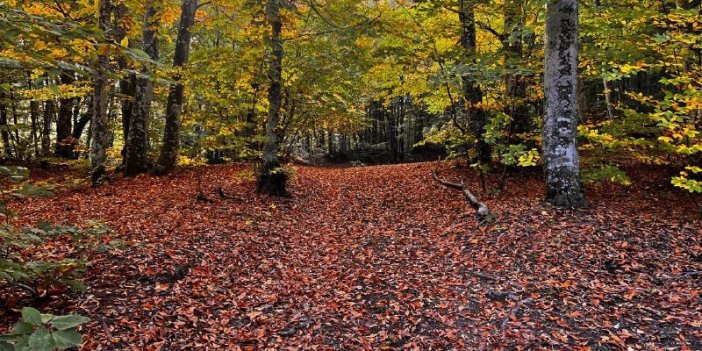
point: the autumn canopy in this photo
(350, 175)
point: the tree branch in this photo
(480, 208)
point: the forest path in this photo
(371, 258)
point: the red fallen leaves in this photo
(380, 258)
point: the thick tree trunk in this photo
(472, 93)
(100, 125)
(171, 134)
(64, 140)
(135, 159)
(272, 180)
(560, 149)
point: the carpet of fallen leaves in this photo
(381, 258)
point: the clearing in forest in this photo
(378, 258)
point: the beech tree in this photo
(365, 81)
(272, 179)
(174, 105)
(560, 147)
(472, 93)
(100, 127)
(136, 160)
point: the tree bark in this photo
(49, 112)
(4, 127)
(64, 140)
(135, 159)
(560, 149)
(127, 83)
(171, 135)
(79, 126)
(34, 118)
(472, 93)
(100, 125)
(515, 83)
(272, 180)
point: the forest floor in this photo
(380, 258)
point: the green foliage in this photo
(605, 173)
(518, 155)
(15, 175)
(38, 277)
(686, 180)
(35, 275)
(42, 276)
(38, 331)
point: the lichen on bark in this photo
(560, 149)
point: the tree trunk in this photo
(135, 158)
(171, 135)
(79, 126)
(4, 127)
(100, 125)
(34, 118)
(515, 84)
(127, 83)
(272, 181)
(49, 111)
(64, 141)
(560, 149)
(391, 130)
(472, 93)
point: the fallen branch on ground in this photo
(480, 208)
(224, 195)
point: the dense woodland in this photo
(473, 174)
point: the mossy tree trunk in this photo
(176, 95)
(560, 148)
(135, 159)
(100, 123)
(272, 180)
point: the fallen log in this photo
(480, 208)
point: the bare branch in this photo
(480, 208)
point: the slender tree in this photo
(560, 149)
(171, 134)
(516, 84)
(34, 119)
(4, 128)
(136, 159)
(128, 82)
(472, 93)
(100, 123)
(271, 180)
(47, 119)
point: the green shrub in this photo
(37, 331)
